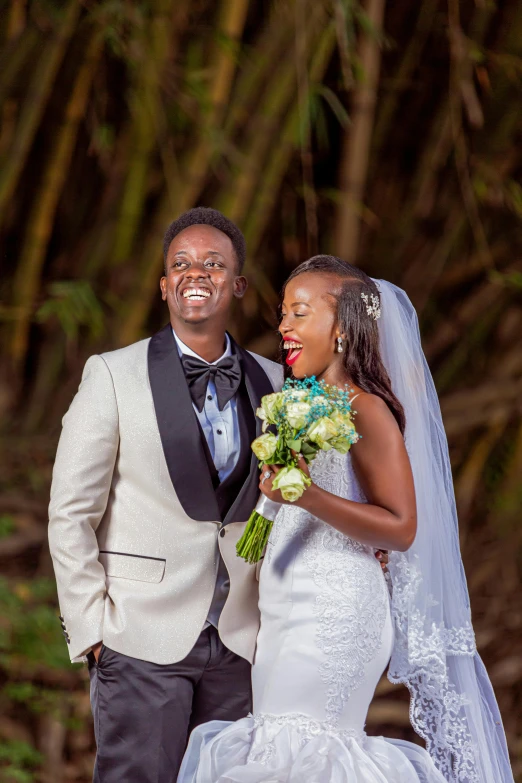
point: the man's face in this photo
(201, 278)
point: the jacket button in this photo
(222, 532)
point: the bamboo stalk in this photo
(14, 57)
(262, 208)
(17, 18)
(145, 110)
(401, 80)
(233, 17)
(259, 147)
(232, 21)
(265, 201)
(303, 93)
(255, 70)
(39, 229)
(231, 24)
(35, 103)
(471, 474)
(100, 240)
(481, 300)
(235, 202)
(354, 165)
(507, 513)
(460, 81)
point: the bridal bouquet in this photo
(306, 417)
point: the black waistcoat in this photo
(228, 490)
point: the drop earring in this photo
(339, 345)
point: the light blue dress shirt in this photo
(221, 430)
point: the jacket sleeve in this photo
(81, 483)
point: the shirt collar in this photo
(184, 349)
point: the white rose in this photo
(270, 404)
(291, 482)
(265, 446)
(297, 413)
(322, 431)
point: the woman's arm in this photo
(382, 466)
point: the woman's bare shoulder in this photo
(372, 414)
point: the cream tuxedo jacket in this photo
(134, 527)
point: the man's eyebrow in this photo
(300, 303)
(208, 253)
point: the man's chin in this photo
(194, 315)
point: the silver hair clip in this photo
(373, 309)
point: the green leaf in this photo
(74, 304)
(7, 525)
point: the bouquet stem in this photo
(252, 543)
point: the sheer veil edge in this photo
(452, 705)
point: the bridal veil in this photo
(453, 706)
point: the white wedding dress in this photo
(325, 639)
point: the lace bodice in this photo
(334, 473)
(351, 598)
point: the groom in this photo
(153, 482)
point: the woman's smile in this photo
(294, 348)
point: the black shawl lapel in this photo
(179, 431)
(258, 385)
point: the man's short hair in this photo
(207, 216)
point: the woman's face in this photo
(309, 326)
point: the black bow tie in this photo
(226, 375)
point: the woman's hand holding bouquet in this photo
(304, 418)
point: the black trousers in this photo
(144, 712)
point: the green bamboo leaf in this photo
(334, 103)
(73, 304)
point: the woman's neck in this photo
(336, 375)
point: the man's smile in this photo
(196, 294)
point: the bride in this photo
(330, 622)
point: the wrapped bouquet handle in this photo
(257, 532)
(307, 416)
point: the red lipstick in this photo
(293, 355)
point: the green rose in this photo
(322, 431)
(291, 482)
(348, 426)
(270, 405)
(297, 413)
(265, 446)
(345, 425)
(342, 445)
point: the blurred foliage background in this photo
(388, 133)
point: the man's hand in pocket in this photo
(96, 650)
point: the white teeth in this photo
(289, 344)
(198, 294)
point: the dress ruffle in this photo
(296, 749)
